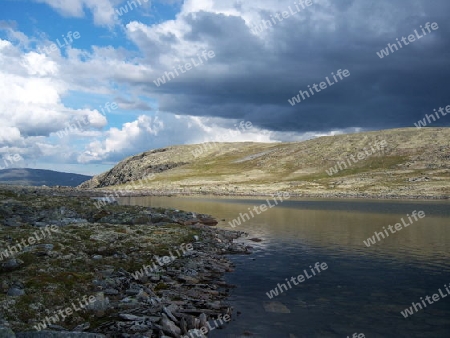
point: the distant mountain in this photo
(38, 177)
(407, 162)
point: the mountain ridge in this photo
(39, 177)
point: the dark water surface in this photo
(364, 288)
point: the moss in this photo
(23, 310)
(64, 280)
(8, 194)
(161, 286)
(28, 258)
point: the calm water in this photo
(363, 290)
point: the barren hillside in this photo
(410, 163)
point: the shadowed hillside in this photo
(407, 162)
(39, 177)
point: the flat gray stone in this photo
(12, 263)
(15, 292)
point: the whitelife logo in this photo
(122, 10)
(266, 24)
(219, 322)
(11, 158)
(323, 85)
(319, 267)
(341, 165)
(187, 66)
(258, 209)
(84, 302)
(417, 306)
(54, 47)
(24, 243)
(72, 127)
(398, 226)
(411, 38)
(423, 123)
(108, 106)
(356, 335)
(161, 261)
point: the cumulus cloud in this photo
(167, 129)
(32, 90)
(9, 135)
(251, 78)
(120, 142)
(31, 108)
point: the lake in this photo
(363, 289)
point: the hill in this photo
(408, 162)
(38, 177)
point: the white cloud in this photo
(132, 136)
(69, 8)
(102, 10)
(220, 130)
(9, 135)
(147, 133)
(39, 64)
(33, 86)
(5, 44)
(31, 90)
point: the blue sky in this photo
(122, 49)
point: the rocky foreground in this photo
(69, 269)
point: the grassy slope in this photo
(415, 162)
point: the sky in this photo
(86, 83)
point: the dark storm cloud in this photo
(252, 78)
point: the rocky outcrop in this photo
(134, 168)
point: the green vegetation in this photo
(81, 253)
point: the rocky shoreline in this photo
(356, 195)
(99, 192)
(147, 272)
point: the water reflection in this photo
(340, 226)
(363, 290)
